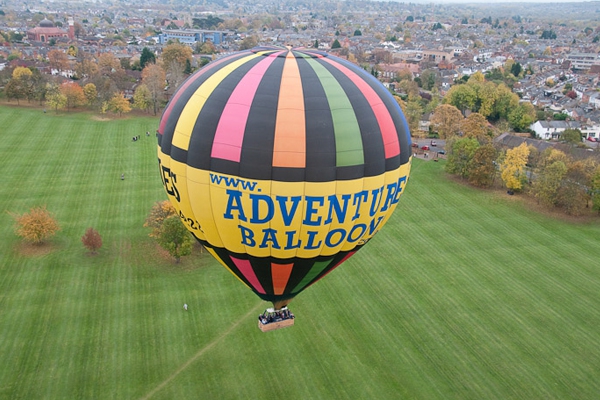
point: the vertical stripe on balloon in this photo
(188, 82)
(290, 127)
(246, 269)
(348, 140)
(229, 135)
(347, 256)
(280, 274)
(314, 271)
(384, 119)
(223, 263)
(189, 115)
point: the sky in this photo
(492, 1)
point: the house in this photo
(551, 130)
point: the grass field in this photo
(465, 294)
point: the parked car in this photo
(592, 139)
(441, 152)
(433, 143)
(415, 144)
(425, 147)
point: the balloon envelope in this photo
(283, 163)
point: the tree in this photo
(207, 48)
(476, 126)
(21, 73)
(78, 29)
(73, 94)
(175, 74)
(428, 79)
(119, 104)
(176, 53)
(109, 65)
(58, 60)
(548, 180)
(72, 51)
(142, 98)
(20, 85)
(153, 76)
(595, 189)
(248, 42)
(92, 240)
(446, 120)
(516, 69)
(174, 237)
(86, 68)
(548, 34)
(482, 167)
(36, 226)
(336, 44)
(413, 113)
(146, 57)
(486, 96)
(90, 93)
(571, 135)
(54, 98)
(571, 94)
(522, 116)
(574, 192)
(12, 90)
(512, 170)
(505, 101)
(460, 154)
(160, 211)
(462, 97)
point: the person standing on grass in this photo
(185, 306)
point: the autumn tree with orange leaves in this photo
(36, 226)
(160, 211)
(73, 93)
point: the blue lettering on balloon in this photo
(376, 201)
(288, 216)
(234, 203)
(340, 211)
(330, 234)
(359, 198)
(352, 236)
(247, 236)
(270, 235)
(311, 210)
(310, 245)
(373, 225)
(392, 189)
(256, 199)
(290, 241)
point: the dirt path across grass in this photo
(201, 352)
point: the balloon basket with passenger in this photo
(272, 319)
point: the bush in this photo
(92, 240)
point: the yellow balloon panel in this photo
(286, 219)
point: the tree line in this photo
(556, 179)
(39, 225)
(100, 82)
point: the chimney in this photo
(71, 28)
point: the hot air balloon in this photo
(283, 163)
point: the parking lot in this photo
(428, 149)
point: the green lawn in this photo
(464, 294)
